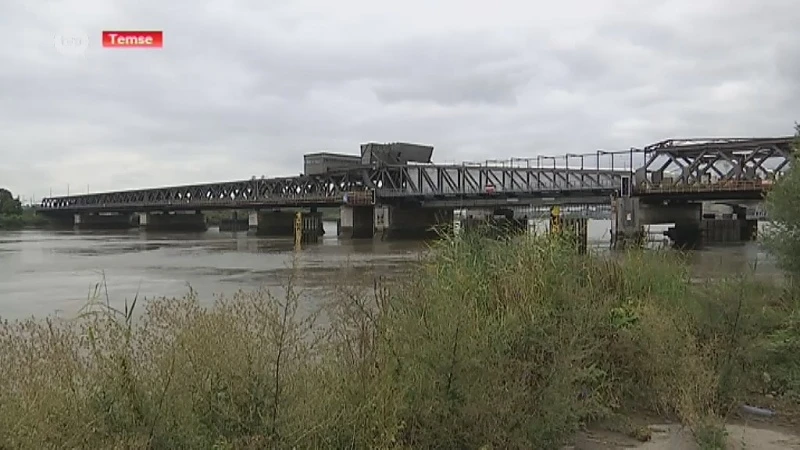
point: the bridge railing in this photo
(720, 186)
(196, 203)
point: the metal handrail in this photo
(721, 186)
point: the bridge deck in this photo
(389, 184)
(742, 168)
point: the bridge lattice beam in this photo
(708, 161)
(388, 182)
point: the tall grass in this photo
(490, 344)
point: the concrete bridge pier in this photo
(398, 222)
(103, 221)
(497, 222)
(356, 222)
(234, 223)
(630, 215)
(61, 221)
(724, 223)
(278, 223)
(191, 221)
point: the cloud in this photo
(244, 88)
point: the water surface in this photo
(46, 272)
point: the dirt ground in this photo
(676, 437)
(781, 432)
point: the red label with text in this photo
(133, 39)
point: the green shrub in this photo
(489, 344)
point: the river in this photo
(52, 272)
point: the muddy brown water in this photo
(47, 272)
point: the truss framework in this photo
(389, 183)
(696, 163)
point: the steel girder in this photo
(695, 163)
(291, 191)
(436, 181)
(388, 183)
(598, 212)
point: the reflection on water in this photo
(44, 272)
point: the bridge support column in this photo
(178, 221)
(749, 230)
(61, 221)
(272, 223)
(630, 215)
(356, 222)
(234, 224)
(103, 221)
(729, 228)
(279, 223)
(626, 225)
(396, 222)
(686, 235)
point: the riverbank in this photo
(489, 343)
(27, 220)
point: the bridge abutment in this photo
(103, 221)
(177, 221)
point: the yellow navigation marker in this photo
(298, 230)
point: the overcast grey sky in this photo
(246, 87)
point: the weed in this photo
(490, 343)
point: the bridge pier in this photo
(103, 221)
(630, 215)
(279, 223)
(493, 222)
(234, 224)
(356, 222)
(398, 222)
(729, 227)
(177, 221)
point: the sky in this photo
(245, 88)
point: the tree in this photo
(783, 207)
(8, 204)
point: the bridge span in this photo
(429, 185)
(397, 187)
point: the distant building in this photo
(371, 154)
(395, 153)
(319, 163)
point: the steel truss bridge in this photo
(703, 169)
(390, 184)
(713, 168)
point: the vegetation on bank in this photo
(14, 216)
(510, 343)
(783, 205)
(507, 344)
